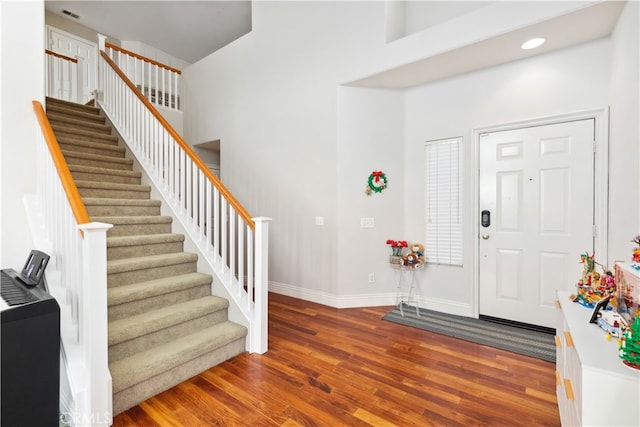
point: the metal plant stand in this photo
(406, 278)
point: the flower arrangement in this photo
(396, 246)
(635, 256)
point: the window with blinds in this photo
(443, 165)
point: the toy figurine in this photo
(592, 286)
(415, 258)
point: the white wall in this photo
(424, 14)
(296, 144)
(370, 137)
(624, 156)
(568, 81)
(21, 81)
(271, 98)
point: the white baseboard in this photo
(366, 300)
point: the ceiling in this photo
(188, 30)
(583, 25)
(213, 24)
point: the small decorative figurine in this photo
(635, 255)
(612, 322)
(592, 286)
(416, 257)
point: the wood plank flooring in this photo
(347, 367)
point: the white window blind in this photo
(444, 201)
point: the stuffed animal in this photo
(415, 258)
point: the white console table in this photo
(593, 386)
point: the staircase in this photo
(164, 324)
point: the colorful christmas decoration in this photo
(376, 183)
(627, 291)
(612, 322)
(635, 255)
(629, 350)
(593, 286)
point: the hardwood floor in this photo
(347, 367)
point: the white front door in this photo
(84, 50)
(537, 186)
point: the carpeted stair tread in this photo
(81, 114)
(134, 220)
(146, 323)
(112, 186)
(102, 201)
(142, 366)
(124, 162)
(151, 261)
(115, 191)
(112, 207)
(74, 116)
(71, 105)
(135, 224)
(106, 145)
(92, 173)
(60, 130)
(103, 149)
(105, 171)
(63, 120)
(148, 239)
(138, 291)
(136, 245)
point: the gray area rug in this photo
(515, 339)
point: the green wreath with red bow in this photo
(376, 183)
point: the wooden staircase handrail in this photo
(73, 195)
(59, 55)
(142, 58)
(186, 147)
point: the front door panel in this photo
(537, 184)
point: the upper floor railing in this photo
(159, 83)
(77, 278)
(234, 244)
(64, 77)
(67, 77)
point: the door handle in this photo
(485, 236)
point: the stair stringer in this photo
(223, 283)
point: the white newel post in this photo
(99, 89)
(101, 41)
(259, 336)
(93, 325)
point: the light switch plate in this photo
(366, 222)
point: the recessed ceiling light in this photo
(532, 43)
